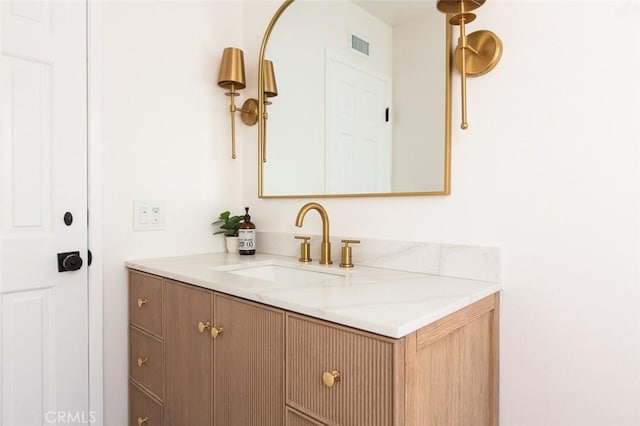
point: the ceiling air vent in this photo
(359, 45)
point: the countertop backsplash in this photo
(450, 260)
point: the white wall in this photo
(166, 136)
(548, 170)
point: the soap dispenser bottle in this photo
(247, 235)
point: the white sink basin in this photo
(282, 274)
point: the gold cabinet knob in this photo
(142, 420)
(330, 378)
(142, 361)
(216, 331)
(142, 302)
(202, 326)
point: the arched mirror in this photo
(363, 104)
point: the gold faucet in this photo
(325, 247)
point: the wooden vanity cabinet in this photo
(265, 367)
(451, 368)
(146, 350)
(189, 375)
(443, 374)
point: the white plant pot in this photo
(232, 244)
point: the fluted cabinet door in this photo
(143, 409)
(248, 364)
(145, 302)
(145, 361)
(188, 354)
(338, 375)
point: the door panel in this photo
(43, 160)
(31, 353)
(358, 135)
(27, 165)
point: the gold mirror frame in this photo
(262, 122)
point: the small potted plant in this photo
(229, 226)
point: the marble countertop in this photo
(383, 301)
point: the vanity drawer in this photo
(295, 418)
(145, 302)
(145, 360)
(363, 365)
(143, 409)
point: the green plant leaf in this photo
(227, 224)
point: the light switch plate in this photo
(148, 215)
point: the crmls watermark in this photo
(70, 417)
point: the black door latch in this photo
(69, 261)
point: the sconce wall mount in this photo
(476, 53)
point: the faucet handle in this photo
(346, 253)
(305, 248)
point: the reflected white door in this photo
(43, 175)
(358, 145)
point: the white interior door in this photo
(358, 145)
(43, 159)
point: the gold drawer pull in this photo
(142, 361)
(202, 326)
(330, 378)
(142, 420)
(141, 303)
(216, 331)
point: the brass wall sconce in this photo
(270, 90)
(476, 54)
(270, 86)
(232, 78)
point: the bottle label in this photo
(246, 239)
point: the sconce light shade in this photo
(270, 87)
(232, 69)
